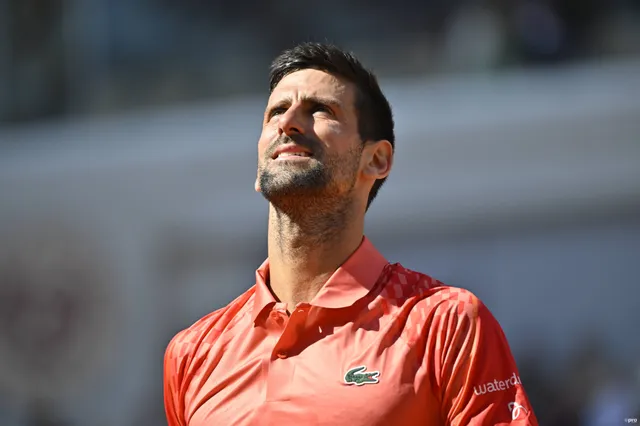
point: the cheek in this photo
(336, 136)
(263, 144)
(329, 132)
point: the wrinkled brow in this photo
(287, 101)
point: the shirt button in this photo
(281, 354)
(277, 318)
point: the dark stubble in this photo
(318, 193)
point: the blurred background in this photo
(128, 134)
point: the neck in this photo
(305, 250)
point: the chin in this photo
(293, 192)
(292, 183)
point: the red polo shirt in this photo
(378, 345)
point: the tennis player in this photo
(332, 333)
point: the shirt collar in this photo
(349, 283)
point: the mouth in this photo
(291, 152)
(292, 156)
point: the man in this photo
(331, 333)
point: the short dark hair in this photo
(375, 118)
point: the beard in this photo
(321, 182)
(292, 180)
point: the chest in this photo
(285, 373)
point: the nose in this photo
(291, 122)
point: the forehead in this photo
(314, 83)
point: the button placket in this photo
(277, 325)
(279, 367)
(294, 326)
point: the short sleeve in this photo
(477, 379)
(173, 379)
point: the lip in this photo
(290, 148)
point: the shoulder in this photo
(202, 334)
(426, 304)
(418, 290)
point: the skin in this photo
(316, 205)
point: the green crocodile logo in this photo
(358, 376)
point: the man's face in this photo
(310, 148)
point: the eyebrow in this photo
(307, 99)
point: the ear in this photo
(377, 159)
